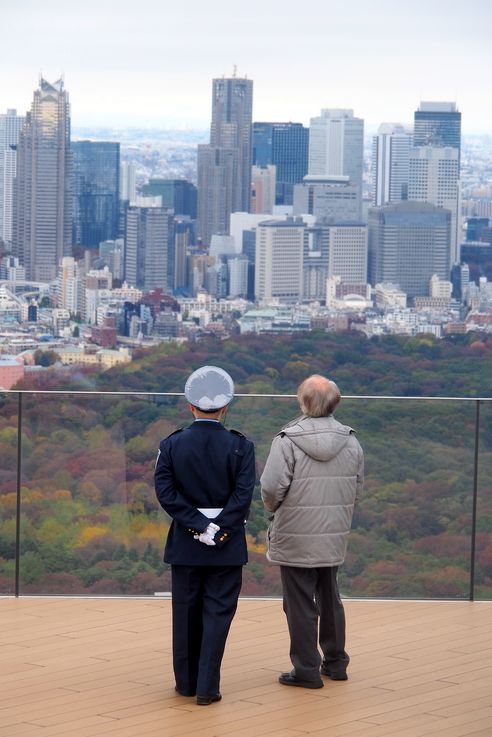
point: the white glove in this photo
(207, 537)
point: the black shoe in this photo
(287, 679)
(335, 675)
(206, 700)
(184, 693)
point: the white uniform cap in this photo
(209, 388)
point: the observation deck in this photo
(86, 638)
(102, 667)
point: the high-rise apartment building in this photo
(69, 288)
(285, 146)
(96, 173)
(336, 145)
(128, 181)
(434, 178)
(10, 127)
(279, 260)
(390, 160)
(42, 221)
(149, 234)
(224, 165)
(437, 124)
(408, 243)
(238, 275)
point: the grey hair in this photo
(318, 396)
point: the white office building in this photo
(279, 260)
(434, 178)
(336, 145)
(390, 162)
(238, 276)
(69, 285)
(332, 199)
(128, 181)
(10, 126)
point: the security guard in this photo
(204, 479)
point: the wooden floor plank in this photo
(103, 668)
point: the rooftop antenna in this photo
(234, 71)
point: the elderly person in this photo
(204, 479)
(311, 480)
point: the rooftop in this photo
(87, 667)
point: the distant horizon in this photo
(126, 65)
(368, 128)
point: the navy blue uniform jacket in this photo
(205, 465)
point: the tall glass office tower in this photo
(434, 174)
(437, 124)
(390, 161)
(285, 145)
(42, 218)
(96, 171)
(224, 165)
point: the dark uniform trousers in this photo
(309, 595)
(204, 604)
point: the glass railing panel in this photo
(411, 532)
(483, 546)
(91, 525)
(8, 490)
(260, 418)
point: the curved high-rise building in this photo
(42, 209)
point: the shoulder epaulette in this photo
(180, 429)
(236, 432)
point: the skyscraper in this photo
(96, 170)
(262, 189)
(128, 181)
(224, 165)
(10, 127)
(285, 146)
(437, 124)
(42, 221)
(434, 178)
(408, 243)
(149, 232)
(279, 260)
(336, 145)
(390, 153)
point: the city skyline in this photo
(153, 69)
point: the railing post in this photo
(474, 501)
(18, 504)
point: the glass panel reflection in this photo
(91, 525)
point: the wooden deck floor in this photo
(87, 667)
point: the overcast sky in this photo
(151, 63)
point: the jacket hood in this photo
(321, 438)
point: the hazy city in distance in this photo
(311, 184)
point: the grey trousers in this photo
(311, 596)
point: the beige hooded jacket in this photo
(311, 480)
